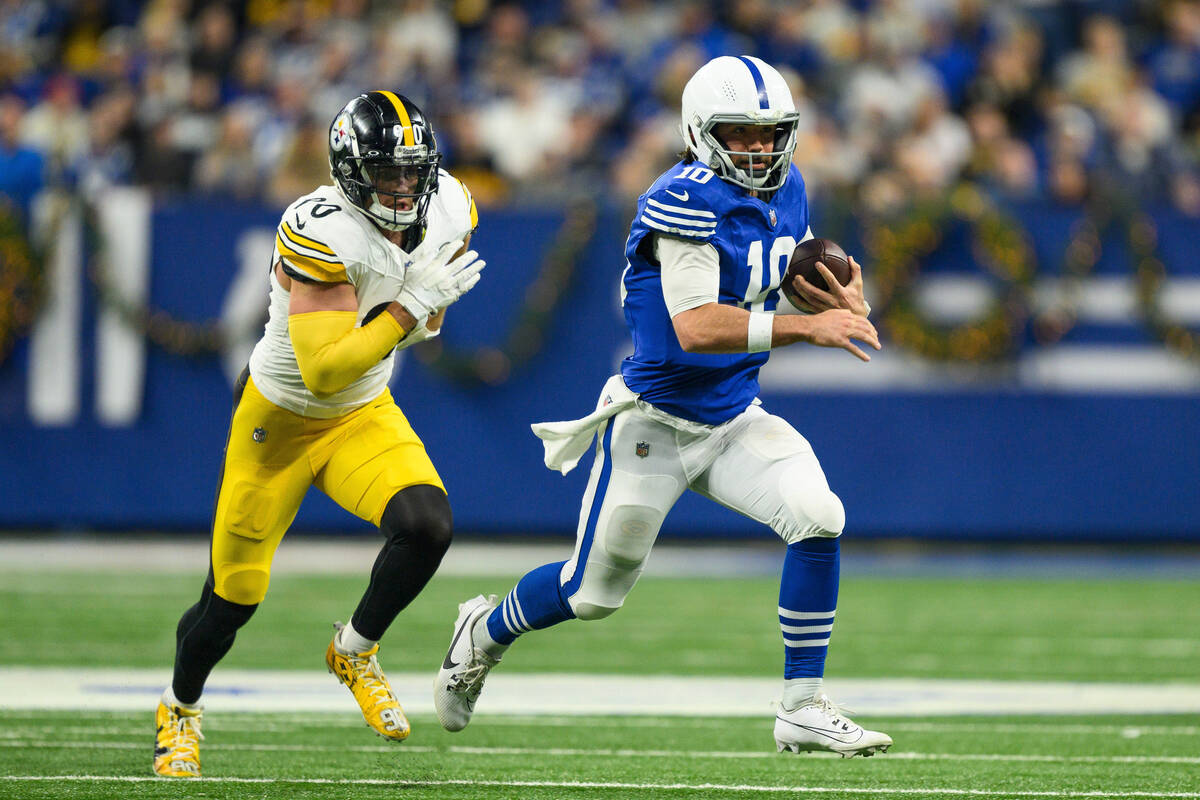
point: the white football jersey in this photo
(325, 239)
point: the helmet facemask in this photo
(410, 174)
(763, 171)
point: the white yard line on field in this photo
(43, 744)
(354, 555)
(276, 723)
(578, 694)
(487, 555)
(653, 787)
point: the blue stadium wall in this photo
(988, 457)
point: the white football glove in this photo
(435, 281)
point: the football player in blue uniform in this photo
(706, 254)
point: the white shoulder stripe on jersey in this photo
(695, 234)
(695, 223)
(692, 212)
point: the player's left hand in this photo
(850, 297)
(438, 280)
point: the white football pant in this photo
(756, 464)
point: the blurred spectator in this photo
(161, 165)
(251, 75)
(1068, 181)
(1174, 64)
(228, 168)
(215, 32)
(304, 165)
(938, 145)
(1091, 76)
(526, 133)
(1015, 170)
(1008, 80)
(21, 167)
(536, 99)
(109, 159)
(885, 90)
(833, 28)
(58, 126)
(422, 40)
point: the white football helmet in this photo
(741, 90)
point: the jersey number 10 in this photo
(763, 281)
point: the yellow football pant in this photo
(360, 460)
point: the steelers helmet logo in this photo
(340, 134)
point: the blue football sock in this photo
(536, 602)
(807, 602)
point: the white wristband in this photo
(759, 331)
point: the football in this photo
(804, 263)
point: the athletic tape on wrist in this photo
(759, 331)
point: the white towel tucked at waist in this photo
(567, 441)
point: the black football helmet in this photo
(384, 157)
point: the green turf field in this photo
(1061, 630)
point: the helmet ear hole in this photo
(692, 134)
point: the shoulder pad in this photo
(317, 237)
(456, 199)
(680, 208)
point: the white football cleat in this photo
(819, 725)
(460, 679)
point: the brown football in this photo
(804, 262)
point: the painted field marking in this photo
(563, 694)
(599, 752)
(286, 722)
(657, 787)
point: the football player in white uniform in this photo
(361, 268)
(705, 256)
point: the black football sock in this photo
(206, 632)
(418, 524)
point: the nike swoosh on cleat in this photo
(161, 751)
(683, 197)
(446, 662)
(836, 735)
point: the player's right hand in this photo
(839, 327)
(438, 280)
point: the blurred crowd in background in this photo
(535, 102)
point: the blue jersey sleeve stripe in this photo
(758, 81)
(694, 212)
(695, 223)
(677, 231)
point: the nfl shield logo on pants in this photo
(642, 449)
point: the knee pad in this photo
(591, 611)
(421, 515)
(603, 589)
(634, 509)
(814, 508)
(627, 529)
(243, 584)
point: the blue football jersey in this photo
(754, 240)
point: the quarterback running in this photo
(705, 258)
(362, 267)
